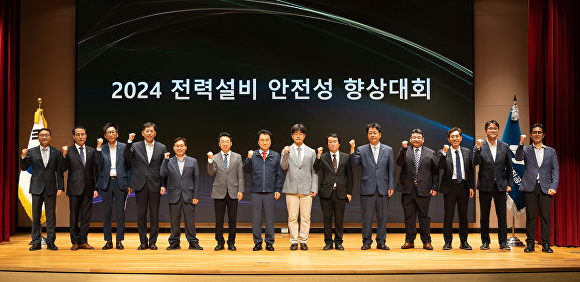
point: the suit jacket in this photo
(229, 181)
(342, 177)
(374, 176)
(446, 163)
(44, 178)
(499, 171)
(81, 179)
(123, 167)
(549, 171)
(427, 176)
(266, 174)
(185, 184)
(143, 171)
(301, 177)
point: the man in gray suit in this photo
(227, 189)
(539, 185)
(376, 184)
(47, 176)
(300, 186)
(182, 173)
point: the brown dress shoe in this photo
(108, 245)
(408, 245)
(74, 247)
(428, 246)
(86, 246)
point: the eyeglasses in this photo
(537, 132)
(111, 132)
(44, 135)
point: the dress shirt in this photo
(84, 156)
(539, 157)
(180, 163)
(452, 151)
(493, 148)
(301, 151)
(149, 149)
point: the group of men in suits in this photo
(115, 169)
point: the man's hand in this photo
(390, 192)
(131, 136)
(286, 150)
(508, 188)
(59, 192)
(95, 194)
(312, 194)
(129, 190)
(522, 139)
(162, 192)
(195, 201)
(319, 151)
(276, 195)
(167, 155)
(445, 149)
(404, 144)
(250, 154)
(99, 142)
(433, 192)
(24, 152)
(349, 197)
(64, 150)
(471, 193)
(240, 196)
(479, 142)
(210, 155)
(352, 145)
(551, 192)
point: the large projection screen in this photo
(198, 68)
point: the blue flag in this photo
(511, 136)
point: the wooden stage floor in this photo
(15, 258)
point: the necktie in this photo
(264, 155)
(458, 166)
(299, 155)
(416, 162)
(82, 153)
(45, 156)
(226, 161)
(334, 162)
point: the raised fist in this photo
(445, 148)
(131, 136)
(522, 139)
(479, 142)
(210, 155)
(319, 151)
(250, 154)
(404, 144)
(286, 150)
(352, 144)
(167, 155)
(24, 152)
(99, 142)
(64, 150)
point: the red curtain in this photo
(9, 21)
(554, 85)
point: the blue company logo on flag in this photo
(511, 136)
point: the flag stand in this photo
(514, 241)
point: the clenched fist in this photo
(167, 155)
(99, 142)
(131, 136)
(250, 154)
(404, 144)
(286, 150)
(522, 139)
(24, 152)
(210, 155)
(445, 149)
(479, 142)
(64, 150)
(319, 151)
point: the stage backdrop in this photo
(197, 68)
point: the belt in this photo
(113, 177)
(538, 181)
(457, 182)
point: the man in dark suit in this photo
(335, 189)
(264, 165)
(418, 181)
(182, 173)
(146, 158)
(376, 184)
(47, 176)
(539, 184)
(113, 183)
(456, 185)
(82, 174)
(227, 189)
(494, 179)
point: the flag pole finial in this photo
(515, 100)
(40, 103)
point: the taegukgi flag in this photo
(25, 176)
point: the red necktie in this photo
(264, 155)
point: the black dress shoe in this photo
(173, 247)
(365, 247)
(153, 247)
(120, 246)
(35, 247)
(257, 247)
(529, 248)
(447, 247)
(31, 243)
(294, 247)
(219, 247)
(51, 246)
(339, 247)
(142, 247)
(195, 246)
(303, 246)
(327, 247)
(465, 246)
(108, 245)
(232, 247)
(484, 246)
(504, 247)
(546, 248)
(269, 247)
(382, 247)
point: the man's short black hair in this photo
(374, 125)
(149, 124)
(298, 127)
(453, 129)
(333, 135)
(266, 132)
(493, 121)
(79, 127)
(46, 129)
(537, 125)
(110, 124)
(224, 134)
(180, 139)
(418, 131)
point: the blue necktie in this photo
(458, 166)
(82, 153)
(416, 162)
(226, 161)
